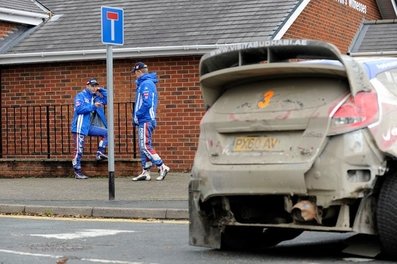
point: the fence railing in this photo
(43, 131)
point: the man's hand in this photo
(98, 104)
(136, 123)
(98, 92)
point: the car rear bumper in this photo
(218, 180)
(346, 168)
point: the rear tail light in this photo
(356, 112)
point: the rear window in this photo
(281, 95)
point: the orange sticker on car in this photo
(266, 99)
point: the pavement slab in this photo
(90, 198)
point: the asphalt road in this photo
(70, 241)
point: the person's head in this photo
(139, 69)
(93, 85)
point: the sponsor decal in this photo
(266, 99)
(356, 5)
(258, 44)
(389, 133)
(387, 65)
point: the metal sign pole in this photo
(112, 33)
(109, 82)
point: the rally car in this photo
(297, 136)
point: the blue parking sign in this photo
(112, 25)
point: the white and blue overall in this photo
(145, 118)
(88, 120)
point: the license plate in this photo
(250, 144)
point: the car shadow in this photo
(321, 247)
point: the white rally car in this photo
(297, 137)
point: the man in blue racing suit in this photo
(89, 120)
(145, 119)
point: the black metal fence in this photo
(43, 131)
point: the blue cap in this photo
(138, 66)
(92, 81)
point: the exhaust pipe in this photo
(305, 211)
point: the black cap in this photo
(92, 82)
(138, 66)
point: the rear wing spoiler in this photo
(278, 51)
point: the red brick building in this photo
(45, 63)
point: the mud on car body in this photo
(297, 137)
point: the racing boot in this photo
(163, 170)
(78, 174)
(144, 176)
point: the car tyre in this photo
(386, 216)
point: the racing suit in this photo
(145, 118)
(88, 120)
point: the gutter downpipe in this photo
(75, 55)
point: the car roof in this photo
(372, 65)
(377, 65)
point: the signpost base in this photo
(111, 185)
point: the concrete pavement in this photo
(90, 198)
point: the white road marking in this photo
(83, 234)
(28, 254)
(57, 257)
(358, 259)
(111, 261)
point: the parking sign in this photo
(112, 25)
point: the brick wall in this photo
(62, 168)
(333, 21)
(180, 104)
(6, 28)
